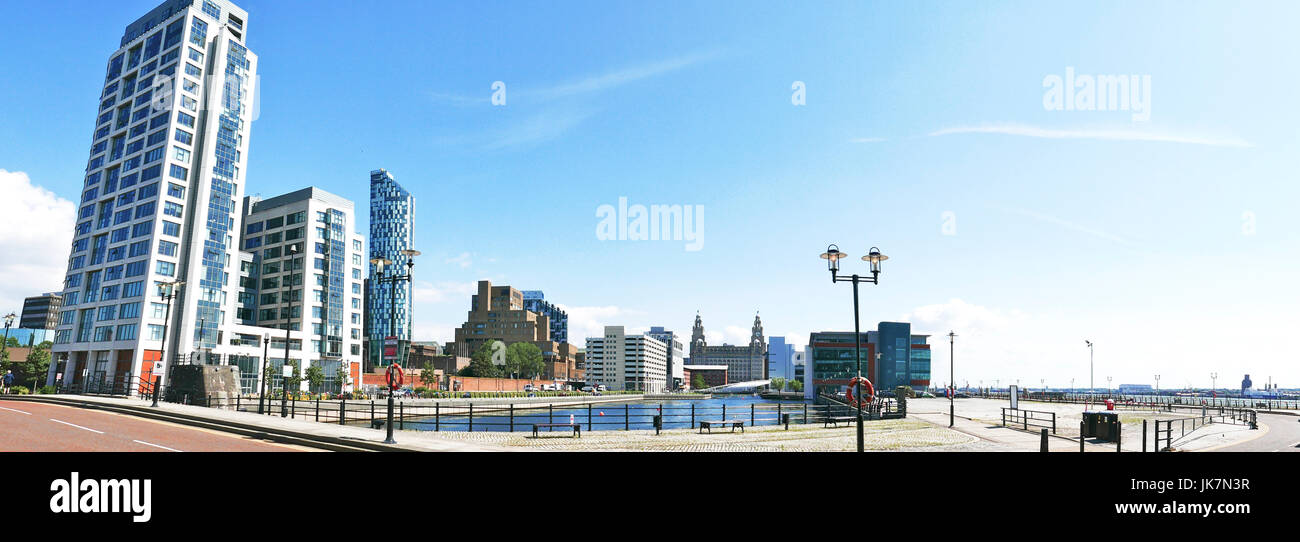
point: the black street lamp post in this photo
(261, 396)
(394, 278)
(289, 253)
(833, 257)
(9, 322)
(167, 291)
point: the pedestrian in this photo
(9, 380)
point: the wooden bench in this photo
(733, 423)
(577, 428)
(834, 421)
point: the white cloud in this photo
(1076, 227)
(36, 242)
(443, 291)
(866, 140)
(463, 260)
(620, 77)
(537, 128)
(1109, 135)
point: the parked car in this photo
(529, 387)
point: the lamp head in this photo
(833, 257)
(875, 257)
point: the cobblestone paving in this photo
(896, 435)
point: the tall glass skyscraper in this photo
(158, 205)
(392, 230)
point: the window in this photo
(157, 121)
(178, 172)
(185, 119)
(166, 269)
(273, 237)
(175, 190)
(184, 137)
(181, 154)
(275, 223)
(195, 55)
(199, 32)
(143, 228)
(254, 227)
(171, 228)
(110, 292)
(167, 248)
(189, 103)
(134, 269)
(126, 332)
(295, 218)
(149, 190)
(191, 86)
(128, 310)
(133, 289)
(252, 242)
(153, 155)
(211, 9)
(192, 70)
(158, 310)
(173, 209)
(120, 234)
(155, 332)
(107, 312)
(145, 209)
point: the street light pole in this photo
(1157, 385)
(167, 291)
(4, 347)
(266, 346)
(1214, 383)
(289, 252)
(874, 257)
(952, 372)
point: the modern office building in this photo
(392, 230)
(41, 312)
(903, 360)
(780, 358)
(627, 362)
(498, 313)
(159, 204)
(676, 374)
(535, 300)
(30, 337)
(307, 264)
(744, 363)
(710, 375)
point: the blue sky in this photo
(1171, 242)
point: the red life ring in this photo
(868, 394)
(393, 384)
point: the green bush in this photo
(46, 390)
(19, 390)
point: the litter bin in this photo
(1103, 425)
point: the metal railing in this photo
(1028, 418)
(511, 417)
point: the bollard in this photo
(751, 414)
(343, 411)
(659, 423)
(1042, 443)
(401, 415)
(318, 409)
(1144, 435)
(1080, 436)
(692, 415)
(785, 419)
(437, 417)
(471, 417)
(512, 417)
(625, 417)
(588, 417)
(1119, 436)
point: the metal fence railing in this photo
(1148, 400)
(1013, 417)
(511, 417)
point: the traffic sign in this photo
(390, 348)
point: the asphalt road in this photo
(42, 427)
(1283, 436)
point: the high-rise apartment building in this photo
(392, 230)
(159, 202)
(308, 266)
(535, 300)
(627, 362)
(41, 312)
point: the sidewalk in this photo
(406, 440)
(1011, 440)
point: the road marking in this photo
(77, 426)
(155, 445)
(14, 410)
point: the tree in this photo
(796, 385)
(481, 365)
(341, 376)
(315, 377)
(778, 384)
(34, 368)
(697, 382)
(427, 376)
(525, 360)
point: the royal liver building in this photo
(744, 363)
